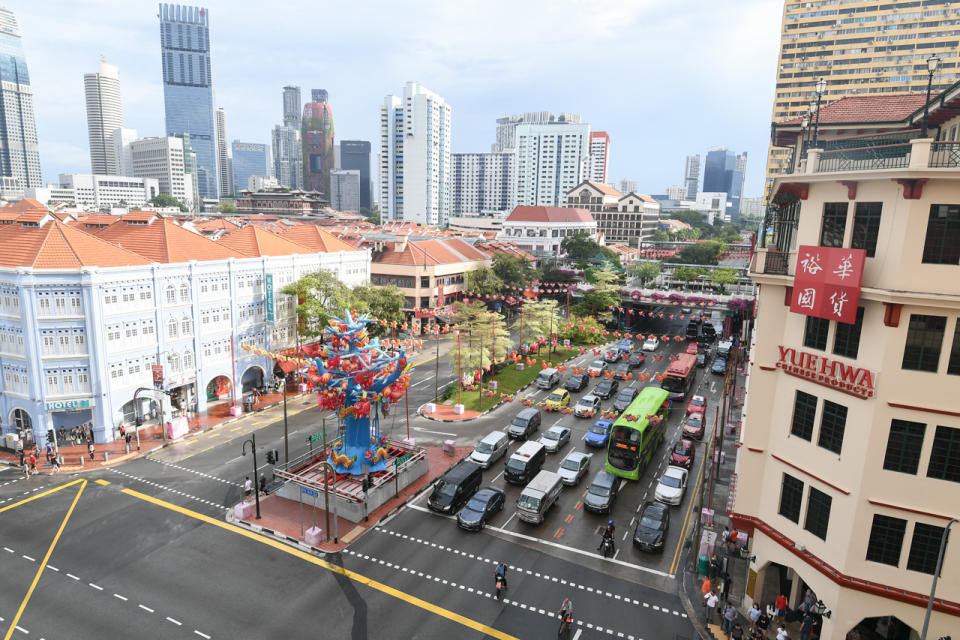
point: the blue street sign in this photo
(309, 492)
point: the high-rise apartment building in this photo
(507, 127)
(599, 161)
(317, 138)
(415, 166)
(104, 116)
(19, 152)
(345, 190)
(292, 106)
(249, 159)
(549, 160)
(224, 159)
(723, 172)
(286, 142)
(188, 86)
(162, 158)
(355, 156)
(691, 176)
(628, 186)
(481, 183)
(859, 48)
(120, 140)
(676, 192)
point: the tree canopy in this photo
(483, 280)
(383, 303)
(228, 207)
(477, 347)
(539, 318)
(165, 200)
(582, 249)
(645, 271)
(705, 252)
(723, 277)
(514, 270)
(320, 295)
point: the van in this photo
(490, 449)
(525, 463)
(723, 348)
(526, 422)
(538, 496)
(548, 378)
(455, 487)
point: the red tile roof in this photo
(254, 241)
(165, 241)
(216, 224)
(140, 216)
(429, 252)
(316, 239)
(505, 247)
(607, 189)
(58, 246)
(894, 107)
(27, 204)
(549, 214)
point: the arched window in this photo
(186, 326)
(174, 361)
(172, 328)
(184, 293)
(21, 419)
(188, 360)
(171, 294)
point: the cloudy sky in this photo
(664, 78)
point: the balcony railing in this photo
(866, 158)
(945, 155)
(773, 262)
(870, 140)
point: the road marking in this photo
(236, 428)
(102, 482)
(176, 622)
(29, 558)
(46, 557)
(120, 597)
(201, 634)
(95, 586)
(145, 608)
(439, 433)
(352, 575)
(70, 575)
(40, 495)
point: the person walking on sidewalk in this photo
(90, 448)
(263, 484)
(729, 617)
(753, 615)
(705, 589)
(56, 464)
(763, 622)
(247, 487)
(726, 582)
(806, 626)
(32, 464)
(711, 601)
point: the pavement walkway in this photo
(444, 413)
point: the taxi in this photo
(558, 399)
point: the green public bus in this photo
(633, 442)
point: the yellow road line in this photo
(236, 428)
(103, 482)
(686, 520)
(40, 495)
(46, 559)
(213, 434)
(357, 577)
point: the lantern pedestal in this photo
(458, 409)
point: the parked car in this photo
(683, 454)
(598, 433)
(697, 404)
(622, 369)
(493, 447)
(719, 366)
(484, 504)
(555, 438)
(652, 527)
(558, 399)
(597, 367)
(606, 388)
(574, 467)
(602, 492)
(637, 360)
(577, 382)
(613, 355)
(692, 348)
(672, 484)
(693, 426)
(587, 404)
(525, 423)
(650, 344)
(701, 360)
(624, 398)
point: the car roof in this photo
(603, 423)
(486, 492)
(604, 479)
(494, 437)
(576, 455)
(560, 391)
(675, 471)
(598, 362)
(558, 428)
(589, 398)
(461, 471)
(654, 506)
(698, 398)
(529, 412)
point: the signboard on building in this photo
(822, 370)
(440, 295)
(268, 286)
(157, 370)
(70, 405)
(827, 282)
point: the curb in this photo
(279, 537)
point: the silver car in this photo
(574, 467)
(672, 484)
(588, 403)
(555, 438)
(597, 367)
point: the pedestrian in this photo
(763, 622)
(781, 606)
(737, 633)
(727, 581)
(753, 615)
(49, 452)
(782, 632)
(263, 484)
(729, 617)
(705, 587)
(56, 464)
(806, 626)
(123, 431)
(714, 567)
(25, 463)
(725, 537)
(711, 600)
(31, 464)
(247, 487)
(21, 453)
(90, 448)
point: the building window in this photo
(924, 340)
(815, 333)
(903, 446)
(846, 339)
(184, 293)
(53, 384)
(791, 494)
(942, 244)
(172, 328)
(886, 540)
(832, 425)
(171, 294)
(945, 456)
(953, 365)
(186, 326)
(424, 282)
(818, 513)
(866, 227)
(924, 548)
(804, 410)
(834, 224)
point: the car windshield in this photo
(551, 435)
(515, 465)
(604, 385)
(671, 383)
(625, 395)
(585, 404)
(570, 465)
(648, 523)
(682, 450)
(528, 502)
(693, 422)
(476, 505)
(519, 422)
(556, 395)
(446, 490)
(670, 481)
(484, 447)
(597, 364)
(598, 429)
(576, 379)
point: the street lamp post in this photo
(936, 574)
(459, 372)
(256, 487)
(821, 88)
(436, 373)
(933, 62)
(804, 129)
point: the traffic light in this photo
(273, 456)
(50, 436)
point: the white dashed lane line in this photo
(194, 471)
(209, 503)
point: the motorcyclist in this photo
(608, 537)
(501, 573)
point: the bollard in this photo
(81, 460)
(106, 456)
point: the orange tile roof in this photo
(216, 224)
(428, 252)
(642, 197)
(58, 246)
(893, 107)
(140, 216)
(255, 241)
(549, 214)
(27, 204)
(98, 220)
(316, 238)
(165, 241)
(34, 216)
(607, 189)
(9, 216)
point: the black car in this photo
(624, 398)
(709, 331)
(576, 382)
(652, 527)
(637, 360)
(481, 507)
(611, 356)
(701, 360)
(602, 492)
(606, 388)
(622, 369)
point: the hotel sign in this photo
(268, 285)
(69, 405)
(827, 282)
(843, 377)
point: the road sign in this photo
(309, 492)
(317, 437)
(403, 459)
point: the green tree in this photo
(383, 303)
(645, 271)
(551, 272)
(597, 303)
(513, 269)
(661, 236)
(584, 335)
(477, 345)
(687, 274)
(581, 249)
(483, 280)
(319, 296)
(165, 200)
(228, 207)
(539, 317)
(700, 253)
(723, 277)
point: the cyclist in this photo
(566, 619)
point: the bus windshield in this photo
(673, 384)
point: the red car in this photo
(693, 426)
(697, 404)
(692, 348)
(683, 454)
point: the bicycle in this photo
(566, 626)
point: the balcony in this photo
(866, 158)
(774, 262)
(892, 151)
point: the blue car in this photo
(625, 345)
(598, 433)
(719, 366)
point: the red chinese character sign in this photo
(827, 282)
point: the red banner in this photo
(827, 282)
(157, 370)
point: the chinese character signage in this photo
(827, 282)
(268, 285)
(157, 370)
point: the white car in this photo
(588, 403)
(597, 367)
(672, 484)
(555, 438)
(574, 467)
(650, 344)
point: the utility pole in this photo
(256, 486)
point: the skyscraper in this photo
(415, 168)
(19, 153)
(120, 140)
(285, 138)
(224, 159)
(507, 127)
(723, 171)
(163, 160)
(188, 86)
(292, 105)
(355, 156)
(249, 159)
(599, 157)
(691, 176)
(317, 140)
(549, 160)
(345, 190)
(481, 183)
(104, 116)
(319, 95)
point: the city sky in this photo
(663, 78)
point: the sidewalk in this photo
(281, 518)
